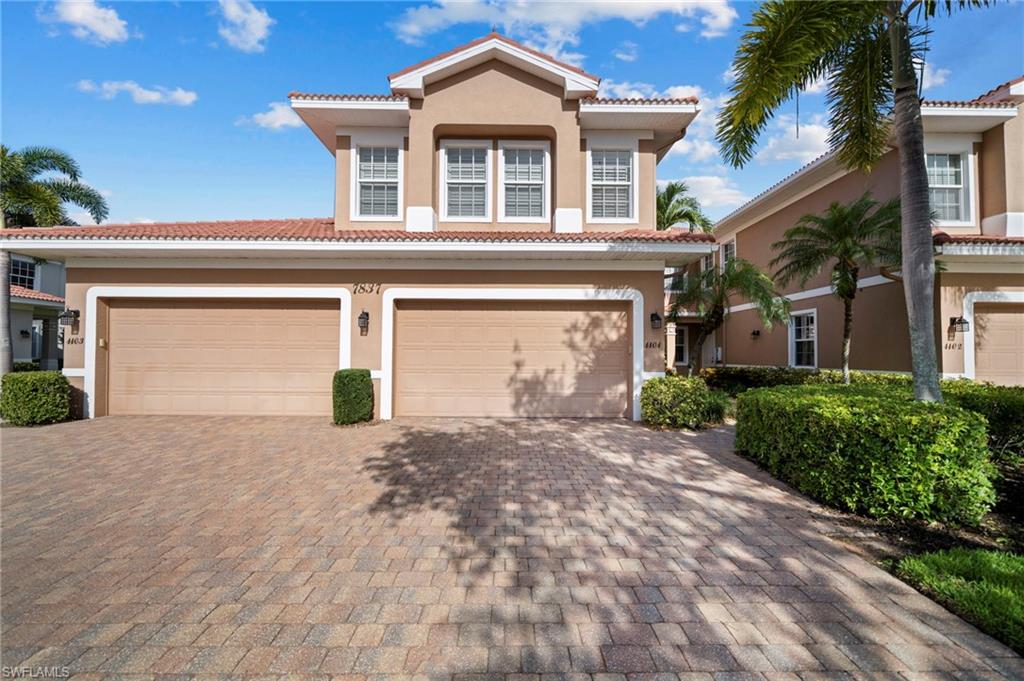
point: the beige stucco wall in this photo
(493, 101)
(1001, 161)
(953, 286)
(366, 350)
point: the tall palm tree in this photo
(849, 237)
(711, 292)
(35, 185)
(866, 49)
(677, 206)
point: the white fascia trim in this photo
(442, 176)
(374, 137)
(812, 312)
(543, 145)
(617, 141)
(972, 111)
(363, 264)
(981, 297)
(73, 373)
(583, 294)
(401, 105)
(36, 303)
(867, 282)
(343, 295)
(590, 107)
(982, 249)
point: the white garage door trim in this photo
(525, 294)
(981, 297)
(343, 295)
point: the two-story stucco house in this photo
(975, 160)
(37, 298)
(492, 252)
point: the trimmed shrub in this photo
(871, 451)
(735, 380)
(353, 396)
(681, 402)
(26, 366)
(1002, 406)
(35, 397)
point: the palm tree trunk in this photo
(918, 259)
(847, 332)
(6, 356)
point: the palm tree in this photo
(849, 236)
(35, 185)
(710, 293)
(677, 206)
(867, 52)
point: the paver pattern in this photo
(137, 547)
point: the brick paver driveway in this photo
(242, 546)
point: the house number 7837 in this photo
(366, 288)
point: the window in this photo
(523, 194)
(803, 339)
(378, 182)
(946, 186)
(682, 356)
(611, 184)
(676, 279)
(23, 273)
(707, 262)
(728, 252)
(466, 186)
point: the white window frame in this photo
(35, 272)
(374, 138)
(681, 330)
(524, 144)
(962, 144)
(447, 144)
(614, 142)
(721, 256)
(813, 314)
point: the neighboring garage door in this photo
(514, 358)
(999, 343)
(266, 357)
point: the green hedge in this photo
(870, 451)
(681, 402)
(735, 380)
(35, 397)
(353, 396)
(26, 366)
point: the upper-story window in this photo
(378, 177)
(524, 187)
(946, 186)
(23, 273)
(466, 180)
(728, 252)
(611, 184)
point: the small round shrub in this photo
(681, 402)
(32, 398)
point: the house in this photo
(493, 252)
(37, 298)
(975, 160)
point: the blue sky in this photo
(175, 110)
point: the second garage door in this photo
(268, 357)
(516, 358)
(999, 343)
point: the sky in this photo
(178, 110)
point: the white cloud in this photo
(626, 51)
(816, 86)
(729, 75)
(713, 191)
(278, 117)
(245, 27)
(786, 145)
(89, 21)
(637, 90)
(109, 89)
(699, 143)
(934, 77)
(553, 27)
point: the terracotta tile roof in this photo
(970, 104)
(493, 36)
(31, 294)
(638, 100)
(347, 98)
(941, 238)
(322, 229)
(997, 88)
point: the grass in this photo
(985, 587)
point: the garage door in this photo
(472, 358)
(221, 357)
(999, 343)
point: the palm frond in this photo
(39, 160)
(79, 194)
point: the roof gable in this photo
(575, 82)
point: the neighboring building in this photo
(975, 160)
(37, 297)
(492, 252)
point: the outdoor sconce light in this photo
(755, 334)
(68, 318)
(959, 325)
(364, 322)
(655, 320)
(25, 333)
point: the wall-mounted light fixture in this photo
(364, 322)
(655, 320)
(755, 334)
(68, 318)
(959, 325)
